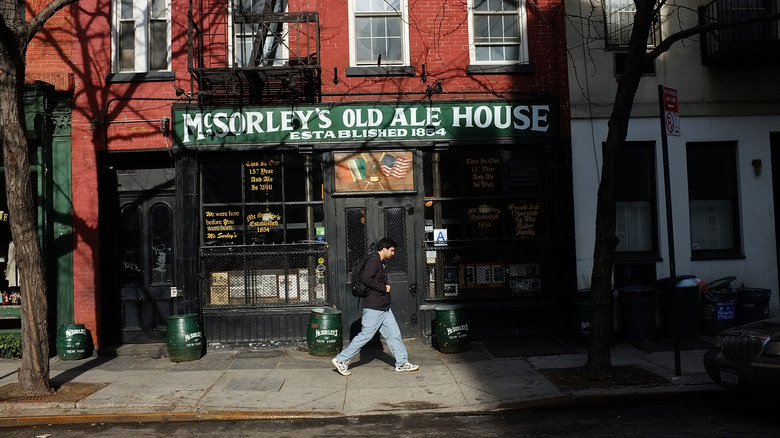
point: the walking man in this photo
(377, 314)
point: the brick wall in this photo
(49, 53)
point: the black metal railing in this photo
(244, 56)
(753, 41)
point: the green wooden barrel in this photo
(185, 338)
(73, 342)
(324, 334)
(452, 329)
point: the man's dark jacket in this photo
(375, 278)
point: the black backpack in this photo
(359, 289)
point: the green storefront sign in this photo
(196, 126)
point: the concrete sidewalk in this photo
(140, 383)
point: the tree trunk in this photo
(606, 241)
(34, 372)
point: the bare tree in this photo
(637, 58)
(16, 33)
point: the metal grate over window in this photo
(264, 275)
(466, 272)
(395, 228)
(357, 238)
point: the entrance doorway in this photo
(145, 233)
(365, 221)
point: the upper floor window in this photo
(379, 33)
(620, 20)
(498, 31)
(142, 36)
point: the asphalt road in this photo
(718, 414)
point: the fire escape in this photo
(253, 51)
(753, 42)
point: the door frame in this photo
(341, 295)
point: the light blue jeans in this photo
(372, 321)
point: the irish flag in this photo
(351, 170)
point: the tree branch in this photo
(34, 25)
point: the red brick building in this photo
(235, 165)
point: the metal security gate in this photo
(365, 221)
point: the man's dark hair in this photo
(385, 242)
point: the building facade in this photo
(246, 157)
(722, 149)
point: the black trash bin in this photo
(637, 312)
(718, 302)
(681, 309)
(752, 304)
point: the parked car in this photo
(747, 357)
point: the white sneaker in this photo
(407, 367)
(342, 367)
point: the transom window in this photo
(379, 33)
(142, 36)
(498, 31)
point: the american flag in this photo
(395, 167)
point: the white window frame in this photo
(522, 34)
(403, 14)
(142, 10)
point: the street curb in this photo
(162, 417)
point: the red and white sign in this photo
(671, 112)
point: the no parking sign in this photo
(671, 112)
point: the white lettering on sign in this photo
(71, 332)
(457, 328)
(360, 123)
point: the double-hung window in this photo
(713, 199)
(379, 33)
(142, 36)
(498, 32)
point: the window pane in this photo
(159, 46)
(394, 50)
(162, 251)
(481, 28)
(634, 226)
(131, 270)
(127, 45)
(482, 53)
(126, 9)
(378, 27)
(711, 226)
(159, 9)
(221, 181)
